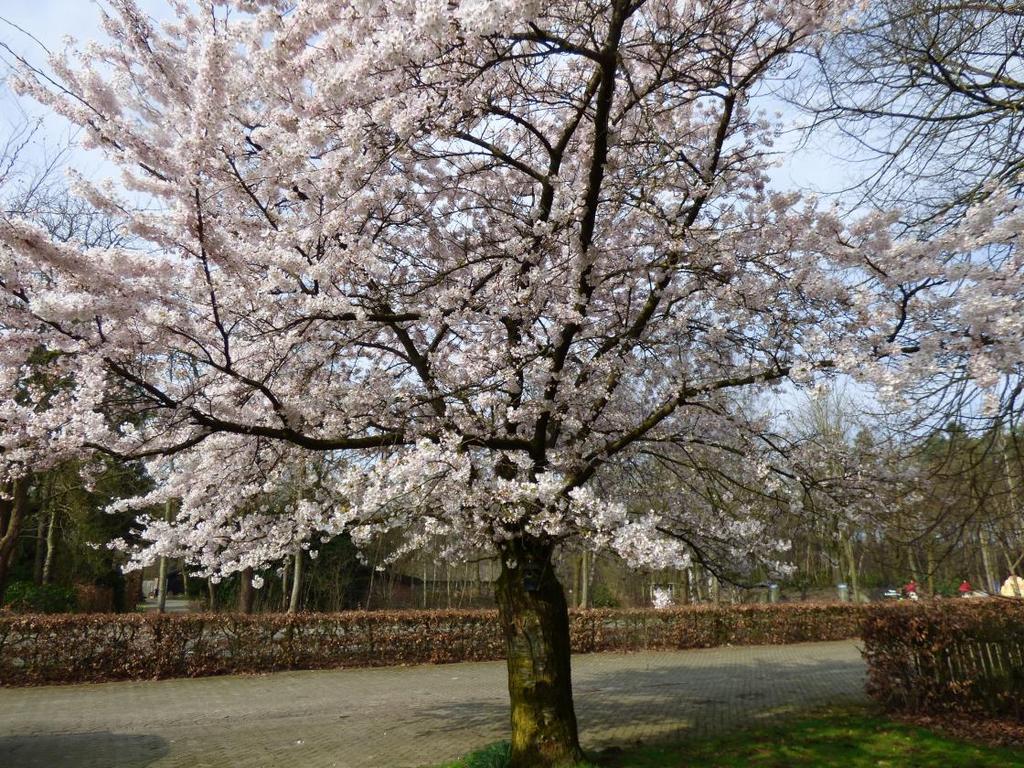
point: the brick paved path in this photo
(402, 717)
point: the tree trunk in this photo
(45, 501)
(51, 547)
(245, 591)
(211, 590)
(1015, 516)
(293, 604)
(40, 553)
(162, 577)
(535, 622)
(285, 585)
(991, 580)
(12, 514)
(851, 565)
(369, 588)
(915, 571)
(585, 579)
(161, 587)
(1012, 568)
(699, 586)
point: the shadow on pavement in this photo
(670, 700)
(100, 749)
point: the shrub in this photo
(94, 599)
(604, 597)
(28, 597)
(947, 656)
(95, 647)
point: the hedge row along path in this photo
(406, 717)
(948, 656)
(101, 647)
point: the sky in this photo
(50, 22)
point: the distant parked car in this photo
(892, 594)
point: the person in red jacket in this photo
(910, 589)
(965, 588)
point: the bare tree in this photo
(932, 92)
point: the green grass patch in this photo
(496, 756)
(846, 738)
(491, 756)
(851, 738)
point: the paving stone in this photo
(405, 717)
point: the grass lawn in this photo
(849, 738)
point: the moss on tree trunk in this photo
(535, 623)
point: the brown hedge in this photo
(37, 649)
(91, 599)
(964, 656)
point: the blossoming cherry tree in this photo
(451, 260)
